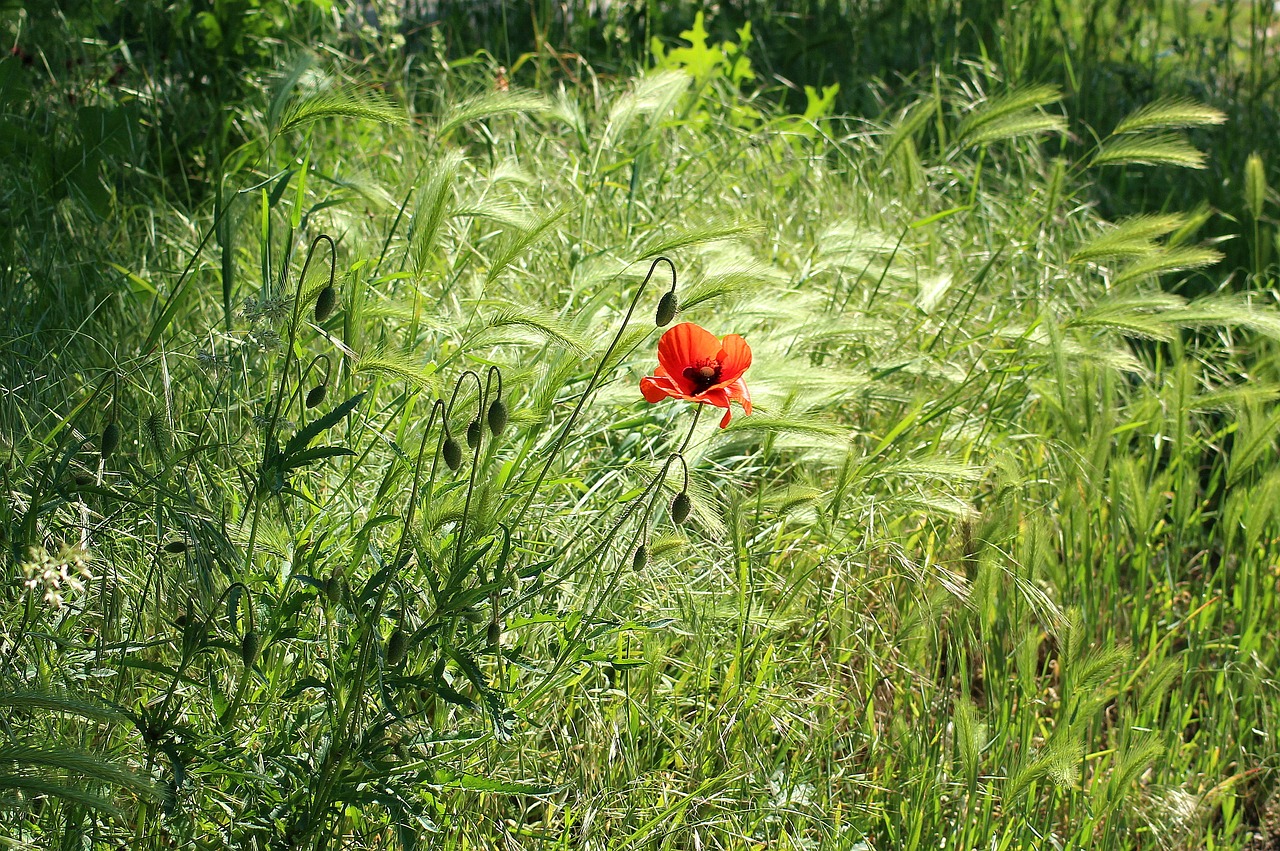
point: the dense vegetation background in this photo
(333, 517)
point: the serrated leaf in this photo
(313, 429)
(316, 453)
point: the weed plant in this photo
(334, 516)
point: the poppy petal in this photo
(724, 421)
(683, 346)
(717, 396)
(655, 388)
(738, 390)
(734, 357)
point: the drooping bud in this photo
(333, 587)
(667, 307)
(397, 644)
(176, 546)
(641, 557)
(110, 439)
(452, 453)
(473, 433)
(497, 417)
(494, 634)
(316, 395)
(680, 507)
(325, 302)
(249, 648)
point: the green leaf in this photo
(303, 438)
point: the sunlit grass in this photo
(992, 562)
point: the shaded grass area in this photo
(993, 562)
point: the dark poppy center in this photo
(703, 377)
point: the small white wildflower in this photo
(57, 575)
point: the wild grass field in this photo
(334, 515)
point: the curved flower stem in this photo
(591, 385)
(481, 393)
(689, 436)
(269, 441)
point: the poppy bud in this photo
(110, 439)
(396, 646)
(680, 507)
(325, 302)
(316, 395)
(333, 587)
(497, 417)
(640, 558)
(494, 634)
(452, 453)
(175, 547)
(667, 307)
(473, 433)
(249, 648)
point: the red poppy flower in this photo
(694, 365)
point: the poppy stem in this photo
(591, 385)
(697, 412)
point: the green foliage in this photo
(990, 565)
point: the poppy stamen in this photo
(703, 377)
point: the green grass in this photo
(992, 564)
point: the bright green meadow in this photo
(333, 516)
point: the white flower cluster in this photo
(56, 574)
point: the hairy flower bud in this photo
(667, 307)
(680, 507)
(325, 302)
(316, 395)
(397, 644)
(473, 433)
(497, 417)
(249, 648)
(110, 439)
(452, 453)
